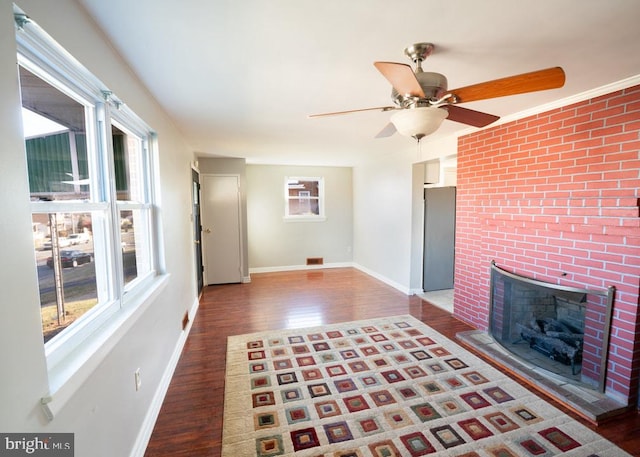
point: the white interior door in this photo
(221, 228)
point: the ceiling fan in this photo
(422, 99)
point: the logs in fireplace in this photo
(557, 340)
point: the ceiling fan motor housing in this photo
(434, 86)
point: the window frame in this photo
(320, 217)
(68, 353)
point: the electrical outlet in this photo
(138, 380)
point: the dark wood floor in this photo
(190, 421)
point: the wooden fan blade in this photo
(387, 131)
(469, 116)
(551, 78)
(337, 113)
(401, 77)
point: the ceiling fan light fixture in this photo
(419, 122)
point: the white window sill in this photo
(69, 374)
(304, 218)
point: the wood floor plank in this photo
(190, 420)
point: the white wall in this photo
(106, 414)
(277, 244)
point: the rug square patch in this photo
(381, 362)
(345, 385)
(334, 334)
(421, 355)
(475, 429)
(425, 341)
(315, 336)
(357, 403)
(401, 358)
(276, 342)
(279, 352)
(439, 351)
(432, 387)
(475, 378)
(265, 420)
(454, 383)
(384, 449)
(282, 364)
(328, 408)
(368, 351)
(352, 331)
(296, 339)
(337, 432)
(397, 418)
(501, 450)
(425, 412)
(319, 390)
(255, 344)
(311, 374)
(451, 406)
(258, 367)
(256, 355)
(447, 436)
(526, 415)
(305, 438)
(297, 414)
(533, 447)
(475, 400)
(260, 382)
(263, 399)
(498, 395)
(369, 329)
(342, 344)
(305, 361)
(413, 332)
(436, 368)
(407, 344)
(286, 378)
(336, 370)
(388, 347)
(417, 444)
(392, 376)
(382, 398)
(456, 364)
(415, 372)
(559, 439)
(300, 349)
(358, 366)
(369, 426)
(378, 337)
(347, 453)
(370, 380)
(328, 357)
(349, 354)
(501, 422)
(269, 446)
(408, 393)
(292, 394)
(321, 346)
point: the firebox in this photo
(563, 330)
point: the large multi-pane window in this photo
(89, 162)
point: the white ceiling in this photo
(239, 77)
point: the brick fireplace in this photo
(555, 197)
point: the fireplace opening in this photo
(562, 330)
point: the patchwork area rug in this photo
(384, 388)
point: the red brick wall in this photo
(555, 196)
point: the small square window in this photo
(304, 198)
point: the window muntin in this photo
(304, 198)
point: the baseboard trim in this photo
(384, 279)
(299, 267)
(144, 435)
